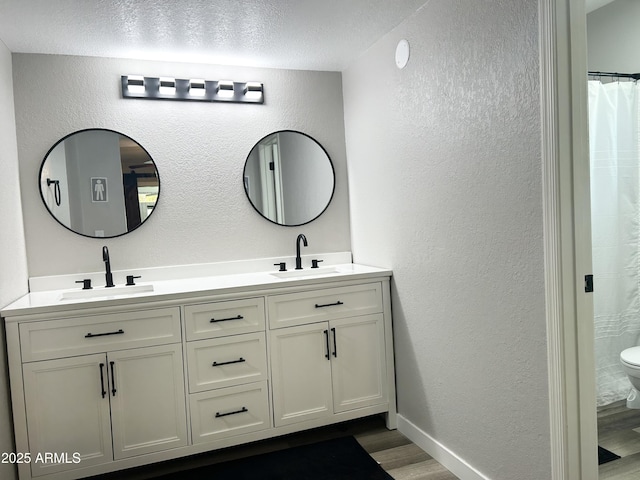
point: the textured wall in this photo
(445, 188)
(13, 262)
(199, 148)
(613, 37)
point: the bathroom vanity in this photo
(110, 379)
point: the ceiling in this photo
(296, 34)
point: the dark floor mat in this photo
(605, 456)
(338, 459)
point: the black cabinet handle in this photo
(330, 304)
(216, 364)
(335, 347)
(113, 380)
(91, 335)
(213, 320)
(326, 339)
(242, 410)
(104, 392)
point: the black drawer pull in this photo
(216, 364)
(91, 335)
(242, 410)
(329, 304)
(113, 380)
(102, 380)
(326, 339)
(213, 320)
(335, 347)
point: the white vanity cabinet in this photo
(323, 367)
(104, 385)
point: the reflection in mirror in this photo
(99, 183)
(289, 178)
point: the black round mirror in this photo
(99, 183)
(289, 178)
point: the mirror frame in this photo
(94, 130)
(333, 171)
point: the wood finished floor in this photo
(619, 432)
(399, 457)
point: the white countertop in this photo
(50, 301)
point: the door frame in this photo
(567, 239)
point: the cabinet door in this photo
(67, 412)
(358, 367)
(301, 373)
(147, 400)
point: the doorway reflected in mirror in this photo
(289, 178)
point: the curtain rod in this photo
(635, 76)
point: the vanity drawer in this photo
(99, 333)
(219, 319)
(326, 304)
(226, 361)
(229, 411)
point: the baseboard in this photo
(439, 452)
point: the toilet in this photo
(630, 359)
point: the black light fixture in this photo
(225, 89)
(165, 88)
(197, 88)
(253, 90)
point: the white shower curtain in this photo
(614, 122)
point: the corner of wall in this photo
(13, 258)
(13, 262)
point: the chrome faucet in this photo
(298, 259)
(107, 264)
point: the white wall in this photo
(200, 148)
(13, 265)
(445, 189)
(613, 37)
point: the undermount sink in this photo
(103, 292)
(311, 272)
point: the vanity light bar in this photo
(167, 86)
(135, 84)
(253, 90)
(225, 88)
(155, 88)
(197, 87)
